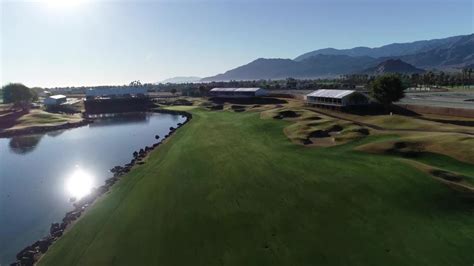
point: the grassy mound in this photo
(35, 118)
(238, 108)
(422, 123)
(458, 146)
(287, 114)
(307, 128)
(41, 117)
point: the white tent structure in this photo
(337, 98)
(55, 100)
(238, 92)
(117, 92)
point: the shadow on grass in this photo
(377, 109)
(10, 120)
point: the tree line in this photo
(430, 78)
(353, 81)
(385, 89)
(18, 94)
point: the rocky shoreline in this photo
(44, 129)
(32, 253)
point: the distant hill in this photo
(453, 55)
(393, 66)
(334, 65)
(313, 67)
(445, 54)
(390, 50)
(181, 80)
(258, 69)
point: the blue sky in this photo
(97, 42)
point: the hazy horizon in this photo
(88, 43)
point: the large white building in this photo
(238, 92)
(117, 92)
(55, 100)
(337, 98)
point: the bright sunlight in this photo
(79, 184)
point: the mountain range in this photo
(179, 80)
(447, 54)
(393, 66)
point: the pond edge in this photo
(31, 254)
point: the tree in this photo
(34, 96)
(202, 90)
(173, 91)
(387, 89)
(36, 91)
(18, 94)
(466, 76)
(291, 83)
(135, 83)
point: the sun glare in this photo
(79, 184)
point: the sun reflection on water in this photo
(79, 184)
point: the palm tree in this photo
(469, 73)
(465, 74)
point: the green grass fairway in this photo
(231, 189)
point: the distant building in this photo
(360, 88)
(44, 93)
(337, 98)
(417, 89)
(117, 99)
(237, 92)
(55, 100)
(117, 92)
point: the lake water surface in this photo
(39, 174)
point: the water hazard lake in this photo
(41, 174)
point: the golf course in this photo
(239, 188)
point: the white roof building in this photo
(338, 94)
(337, 98)
(238, 92)
(55, 100)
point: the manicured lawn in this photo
(35, 118)
(39, 117)
(231, 189)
